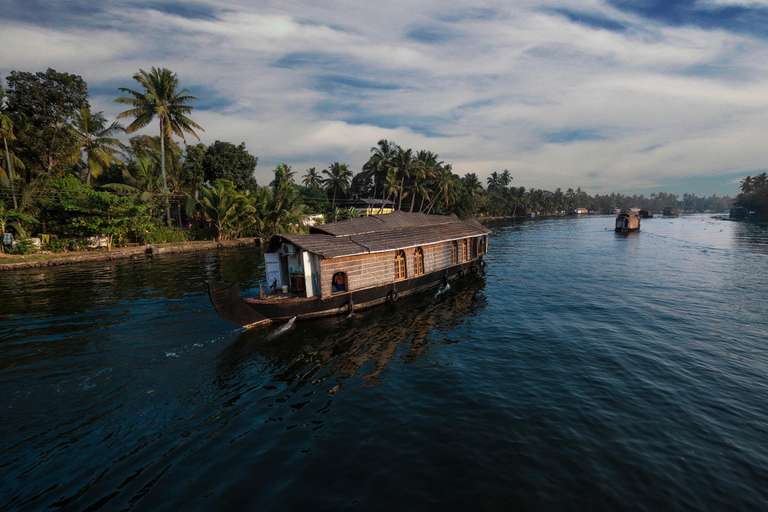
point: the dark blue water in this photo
(586, 371)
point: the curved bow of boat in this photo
(225, 297)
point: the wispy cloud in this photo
(606, 95)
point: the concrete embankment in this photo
(14, 261)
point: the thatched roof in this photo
(386, 222)
(405, 231)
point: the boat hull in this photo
(248, 312)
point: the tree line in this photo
(66, 173)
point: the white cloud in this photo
(719, 4)
(486, 97)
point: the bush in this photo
(25, 246)
(60, 245)
(81, 245)
(164, 234)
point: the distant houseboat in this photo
(627, 222)
(356, 264)
(646, 214)
(671, 211)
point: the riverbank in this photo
(16, 261)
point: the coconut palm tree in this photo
(220, 203)
(312, 178)
(160, 98)
(6, 132)
(445, 185)
(404, 164)
(283, 175)
(472, 184)
(96, 140)
(338, 178)
(505, 178)
(142, 179)
(391, 186)
(283, 212)
(494, 181)
(380, 163)
(425, 169)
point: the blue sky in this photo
(611, 96)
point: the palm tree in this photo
(380, 163)
(220, 203)
(445, 184)
(391, 186)
(404, 164)
(312, 178)
(283, 212)
(6, 132)
(283, 175)
(142, 179)
(96, 140)
(338, 178)
(161, 99)
(472, 184)
(425, 169)
(11, 219)
(505, 178)
(494, 181)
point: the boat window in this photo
(455, 253)
(418, 262)
(400, 271)
(474, 247)
(464, 250)
(339, 282)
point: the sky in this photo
(629, 96)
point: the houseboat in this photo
(355, 264)
(627, 222)
(671, 211)
(646, 214)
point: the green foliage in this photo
(47, 100)
(102, 213)
(25, 246)
(283, 176)
(96, 141)
(338, 178)
(164, 234)
(81, 244)
(314, 198)
(58, 245)
(754, 195)
(193, 169)
(13, 219)
(224, 160)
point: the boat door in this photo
(272, 269)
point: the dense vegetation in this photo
(754, 196)
(65, 174)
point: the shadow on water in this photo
(362, 345)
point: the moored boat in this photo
(671, 211)
(355, 264)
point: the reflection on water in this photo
(585, 371)
(337, 348)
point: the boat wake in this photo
(283, 328)
(442, 290)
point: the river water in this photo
(586, 371)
